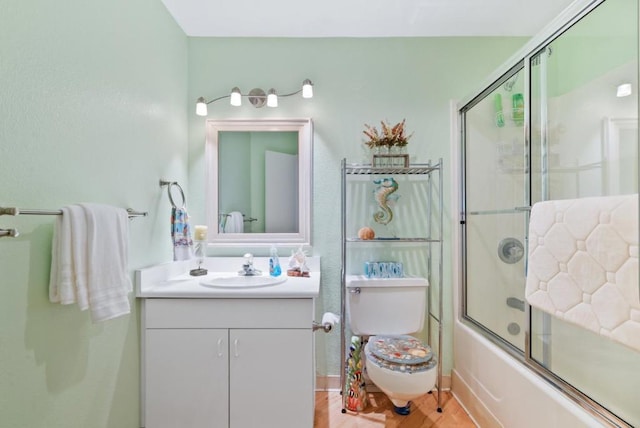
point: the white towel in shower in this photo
(583, 264)
(89, 260)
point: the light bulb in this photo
(201, 107)
(236, 97)
(272, 98)
(307, 89)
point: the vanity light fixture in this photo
(623, 90)
(257, 97)
(272, 98)
(235, 98)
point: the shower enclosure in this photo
(561, 122)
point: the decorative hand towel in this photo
(181, 234)
(583, 264)
(89, 260)
(223, 222)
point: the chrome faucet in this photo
(247, 267)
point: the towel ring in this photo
(169, 185)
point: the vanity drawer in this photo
(228, 313)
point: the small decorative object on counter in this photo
(366, 233)
(355, 388)
(383, 194)
(200, 233)
(274, 263)
(388, 145)
(298, 263)
(200, 245)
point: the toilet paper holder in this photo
(328, 320)
(327, 327)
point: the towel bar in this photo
(245, 219)
(169, 185)
(18, 211)
(9, 233)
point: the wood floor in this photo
(380, 413)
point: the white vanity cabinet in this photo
(228, 362)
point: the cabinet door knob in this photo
(235, 348)
(220, 354)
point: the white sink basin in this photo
(243, 281)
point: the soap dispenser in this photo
(274, 263)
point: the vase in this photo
(397, 157)
(199, 254)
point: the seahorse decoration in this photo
(386, 186)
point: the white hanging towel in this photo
(583, 264)
(62, 284)
(235, 222)
(89, 260)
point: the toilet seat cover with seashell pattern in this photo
(400, 349)
(403, 354)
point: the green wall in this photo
(96, 105)
(357, 81)
(93, 108)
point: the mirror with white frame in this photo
(258, 181)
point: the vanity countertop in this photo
(172, 280)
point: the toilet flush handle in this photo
(355, 290)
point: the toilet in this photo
(387, 310)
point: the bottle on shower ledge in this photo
(274, 263)
(517, 101)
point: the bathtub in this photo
(499, 391)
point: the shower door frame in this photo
(522, 60)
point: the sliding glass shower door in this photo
(584, 143)
(561, 124)
(496, 202)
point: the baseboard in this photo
(332, 383)
(446, 383)
(479, 413)
(328, 383)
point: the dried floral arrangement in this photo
(388, 136)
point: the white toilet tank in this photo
(385, 305)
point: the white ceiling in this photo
(362, 18)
